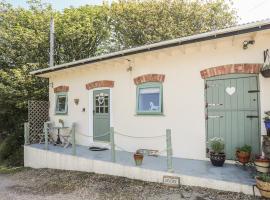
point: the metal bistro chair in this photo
(66, 138)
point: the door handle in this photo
(253, 91)
(252, 116)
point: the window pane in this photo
(101, 110)
(61, 103)
(149, 99)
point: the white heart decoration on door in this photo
(230, 90)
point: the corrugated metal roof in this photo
(234, 30)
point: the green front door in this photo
(101, 112)
(232, 111)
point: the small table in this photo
(58, 141)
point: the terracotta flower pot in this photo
(138, 158)
(264, 187)
(243, 156)
(217, 159)
(262, 164)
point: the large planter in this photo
(217, 159)
(138, 158)
(264, 188)
(243, 157)
(262, 164)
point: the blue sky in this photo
(248, 10)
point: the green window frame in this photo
(61, 109)
(154, 107)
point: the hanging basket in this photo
(266, 71)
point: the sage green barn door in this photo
(101, 113)
(233, 111)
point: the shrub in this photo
(11, 150)
(217, 145)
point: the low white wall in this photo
(37, 158)
(183, 92)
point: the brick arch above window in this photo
(97, 84)
(242, 68)
(149, 78)
(61, 88)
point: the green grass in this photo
(10, 170)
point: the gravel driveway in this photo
(47, 184)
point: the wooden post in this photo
(46, 133)
(169, 150)
(112, 144)
(26, 133)
(73, 139)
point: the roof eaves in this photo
(240, 29)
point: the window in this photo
(61, 103)
(102, 103)
(149, 98)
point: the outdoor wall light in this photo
(248, 42)
(76, 101)
(129, 69)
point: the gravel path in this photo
(47, 184)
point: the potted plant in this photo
(138, 158)
(262, 164)
(267, 122)
(266, 71)
(263, 184)
(217, 155)
(243, 154)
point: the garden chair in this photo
(66, 138)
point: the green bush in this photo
(11, 149)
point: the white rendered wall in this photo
(183, 92)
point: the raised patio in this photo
(191, 172)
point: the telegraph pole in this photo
(51, 62)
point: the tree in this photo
(137, 22)
(24, 47)
(80, 32)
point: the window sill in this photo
(60, 113)
(149, 114)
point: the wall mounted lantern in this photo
(246, 43)
(76, 101)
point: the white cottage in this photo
(199, 86)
